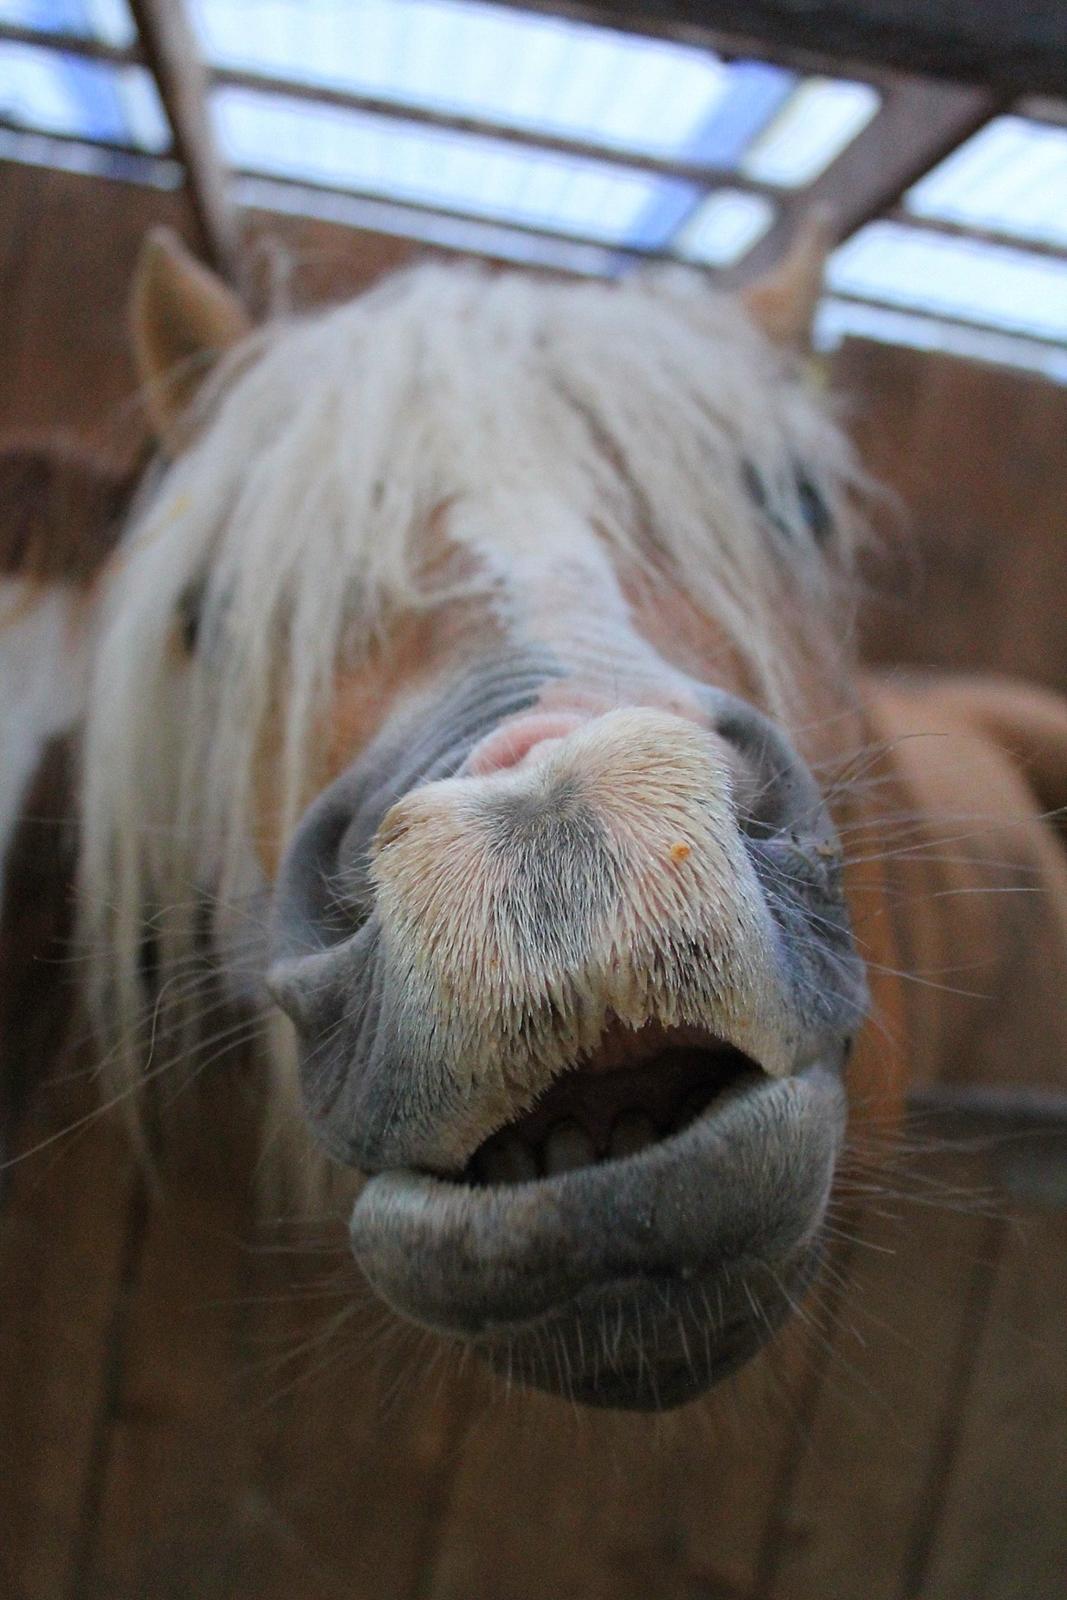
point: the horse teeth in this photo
(632, 1132)
(508, 1162)
(568, 1146)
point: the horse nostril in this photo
(775, 791)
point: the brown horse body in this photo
(960, 885)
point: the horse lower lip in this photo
(748, 1183)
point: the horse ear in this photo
(783, 302)
(183, 319)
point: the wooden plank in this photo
(919, 1287)
(586, 1506)
(1003, 1534)
(353, 1422)
(253, 1449)
(65, 359)
(1005, 1111)
(171, 51)
(170, 1453)
(1015, 49)
(68, 1231)
(36, 923)
(979, 549)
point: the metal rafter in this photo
(171, 52)
(919, 123)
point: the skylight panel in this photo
(819, 121)
(46, 91)
(754, 92)
(724, 228)
(107, 20)
(444, 232)
(89, 160)
(348, 150)
(1011, 177)
(995, 285)
(842, 319)
(545, 74)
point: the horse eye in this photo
(754, 487)
(813, 507)
(190, 607)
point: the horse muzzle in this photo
(582, 1020)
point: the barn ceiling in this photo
(551, 138)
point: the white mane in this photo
(291, 523)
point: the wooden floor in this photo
(198, 1404)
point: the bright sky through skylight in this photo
(350, 150)
(108, 20)
(1011, 177)
(447, 233)
(813, 127)
(724, 227)
(843, 319)
(543, 74)
(994, 284)
(532, 71)
(55, 93)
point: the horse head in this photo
(465, 681)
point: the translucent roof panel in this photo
(446, 233)
(1011, 177)
(817, 122)
(755, 90)
(842, 319)
(723, 228)
(542, 73)
(48, 91)
(280, 137)
(90, 160)
(108, 20)
(997, 286)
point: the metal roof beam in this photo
(170, 49)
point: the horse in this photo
(465, 696)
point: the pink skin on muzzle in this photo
(510, 744)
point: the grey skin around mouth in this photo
(635, 1282)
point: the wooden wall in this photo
(973, 572)
(68, 245)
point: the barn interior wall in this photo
(974, 562)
